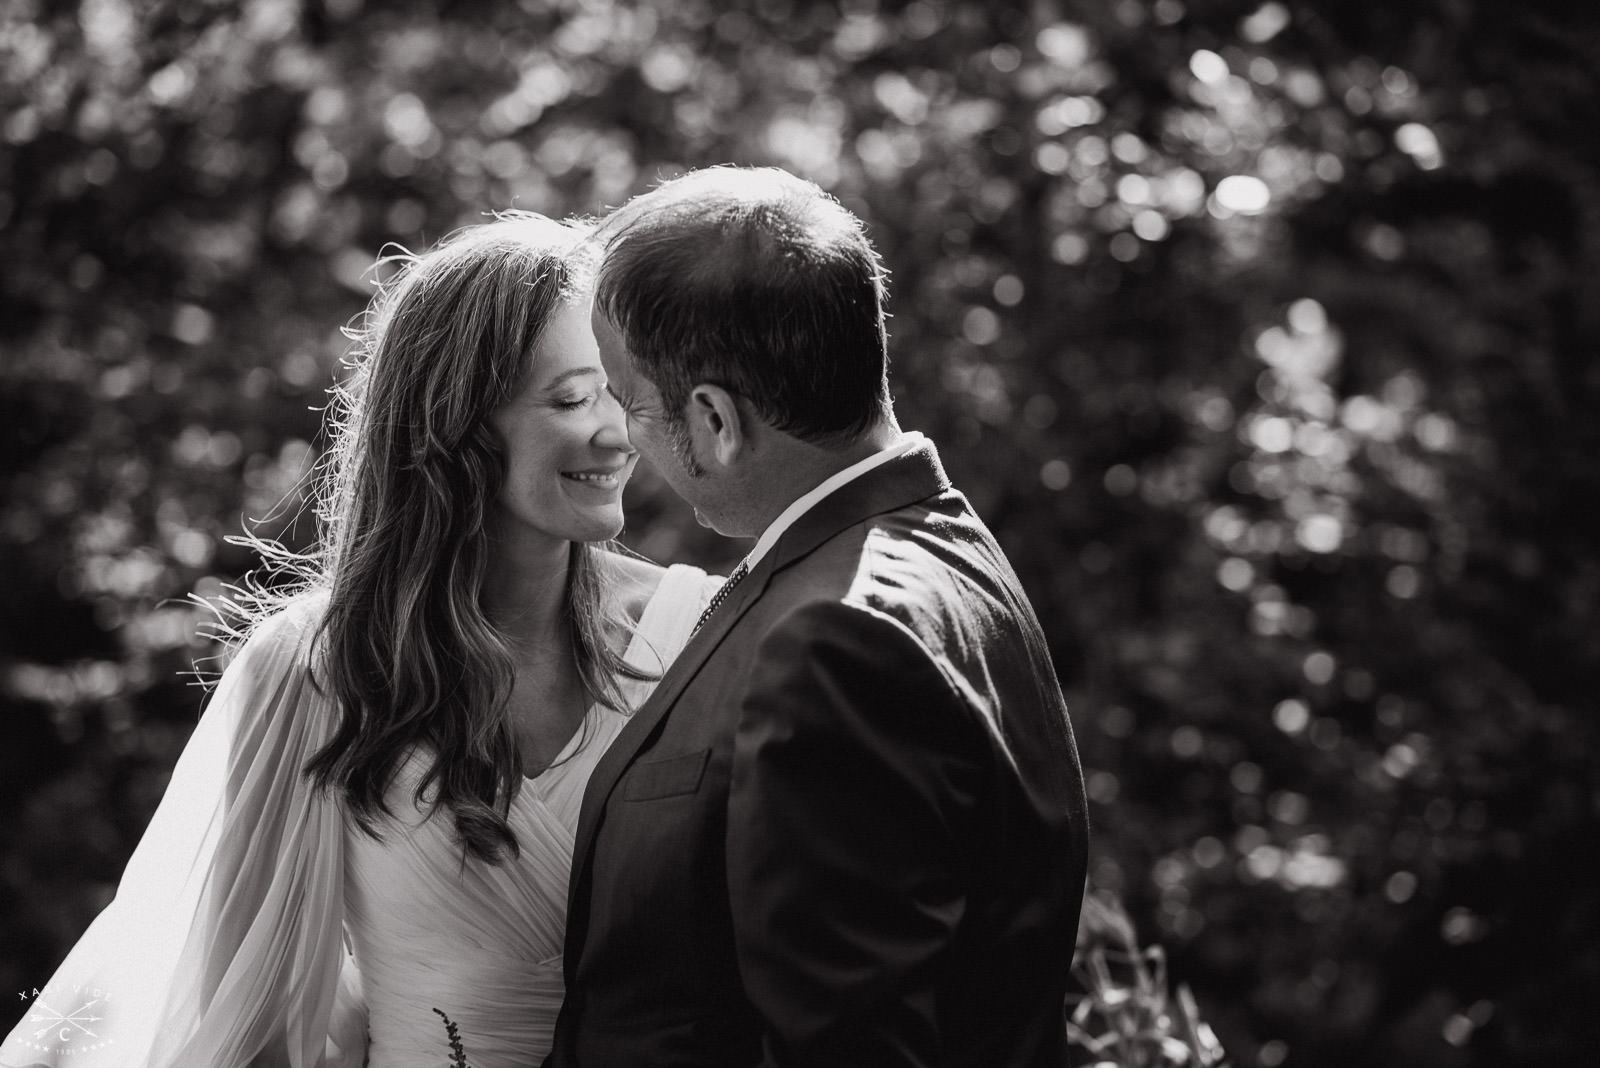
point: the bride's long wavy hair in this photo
(404, 496)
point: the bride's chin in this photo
(607, 530)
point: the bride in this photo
(370, 831)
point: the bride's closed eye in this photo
(572, 404)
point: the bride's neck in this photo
(524, 595)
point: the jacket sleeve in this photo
(857, 768)
(223, 944)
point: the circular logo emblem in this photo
(63, 1019)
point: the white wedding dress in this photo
(255, 925)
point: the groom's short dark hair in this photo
(756, 281)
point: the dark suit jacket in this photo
(848, 828)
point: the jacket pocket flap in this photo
(669, 777)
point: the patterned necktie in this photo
(722, 593)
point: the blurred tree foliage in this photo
(1263, 334)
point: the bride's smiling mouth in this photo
(602, 479)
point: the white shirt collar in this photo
(904, 444)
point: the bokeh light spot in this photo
(1055, 474)
(1243, 194)
(1291, 716)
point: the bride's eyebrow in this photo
(564, 376)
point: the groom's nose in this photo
(612, 432)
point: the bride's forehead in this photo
(566, 344)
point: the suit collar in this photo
(903, 444)
(896, 484)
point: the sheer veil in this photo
(223, 946)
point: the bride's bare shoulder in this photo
(634, 580)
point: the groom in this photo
(848, 828)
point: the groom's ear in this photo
(714, 412)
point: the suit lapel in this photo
(896, 484)
(642, 724)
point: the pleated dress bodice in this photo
(434, 931)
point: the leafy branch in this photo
(458, 1053)
(1125, 1017)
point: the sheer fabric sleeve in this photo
(666, 625)
(223, 946)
